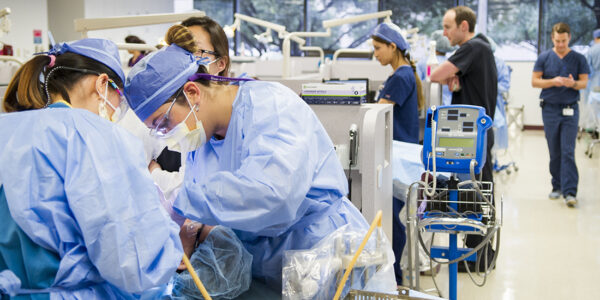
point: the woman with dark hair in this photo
(137, 54)
(80, 215)
(259, 161)
(403, 88)
(211, 43)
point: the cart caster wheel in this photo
(516, 169)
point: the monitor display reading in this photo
(455, 142)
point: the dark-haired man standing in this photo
(471, 75)
(470, 72)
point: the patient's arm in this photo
(191, 234)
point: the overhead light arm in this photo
(328, 24)
(349, 20)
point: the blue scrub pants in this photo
(398, 237)
(561, 134)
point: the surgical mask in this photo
(181, 138)
(207, 64)
(119, 112)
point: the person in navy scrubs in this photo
(561, 73)
(403, 90)
(403, 87)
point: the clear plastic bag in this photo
(223, 265)
(316, 273)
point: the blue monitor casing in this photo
(460, 135)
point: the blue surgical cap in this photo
(157, 77)
(441, 42)
(391, 33)
(596, 33)
(101, 50)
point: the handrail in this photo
(315, 48)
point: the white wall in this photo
(25, 17)
(521, 92)
(61, 14)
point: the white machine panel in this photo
(371, 175)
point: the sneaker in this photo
(428, 271)
(571, 201)
(554, 195)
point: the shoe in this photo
(554, 195)
(428, 271)
(571, 201)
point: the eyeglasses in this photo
(206, 53)
(162, 126)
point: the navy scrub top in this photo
(551, 65)
(401, 88)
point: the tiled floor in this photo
(548, 251)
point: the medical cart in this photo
(455, 142)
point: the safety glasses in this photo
(162, 125)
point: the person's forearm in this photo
(443, 72)
(542, 83)
(579, 84)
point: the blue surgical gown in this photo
(500, 122)
(275, 179)
(590, 114)
(78, 186)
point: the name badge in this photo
(568, 112)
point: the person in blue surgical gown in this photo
(259, 161)
(500, 121)
(80, 215)
(442, 47)
(590, 115)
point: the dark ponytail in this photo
(26, 90)
(420, 94)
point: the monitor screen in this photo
(455, 142)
